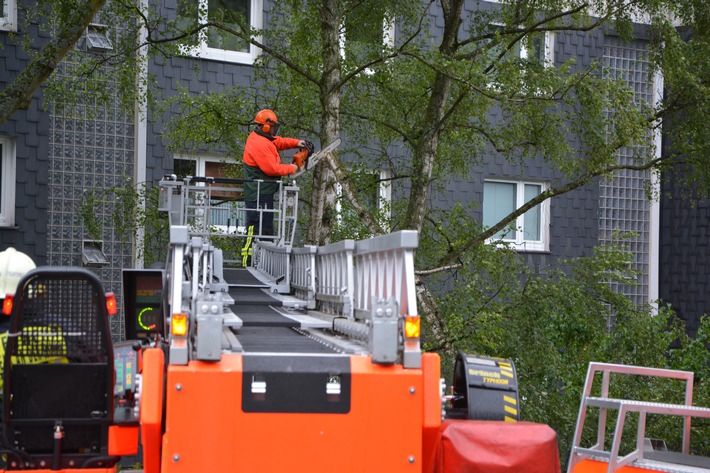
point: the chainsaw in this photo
(315, 158)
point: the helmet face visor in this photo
(275, 128)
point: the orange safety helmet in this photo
(267, 120)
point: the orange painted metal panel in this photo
(206, 429)
(593, 466)
(123, 440)
(151, 407)
(431, 366)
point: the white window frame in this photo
(548, 43)
(8, 15)
(388, 36)
(520, 243)
(384, 199)
(7, 196)
(202, 50)
(200, 161)
(200, 170)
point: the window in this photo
(537, 47)
(97, 39)
(540, 48)
(214, 43)
(367, 31)
(8, 15)
(7, 182)
(530, 231)
(375, 192)
(228, 208)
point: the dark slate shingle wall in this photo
(198, 76)
(29, 129)
(685, 249)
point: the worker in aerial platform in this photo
(263, 161)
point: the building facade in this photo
(56, 162)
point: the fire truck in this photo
(307, 359)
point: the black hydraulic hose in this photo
(103, 462)
(57, 454)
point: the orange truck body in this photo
(392, 424)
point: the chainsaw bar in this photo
(316, 157)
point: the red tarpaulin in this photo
(470, 446)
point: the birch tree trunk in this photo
(323, 199)
(424, 156)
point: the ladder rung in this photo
(648, 407)
(592, 452)
(230, 319)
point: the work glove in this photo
(309, 147)
(300, 158)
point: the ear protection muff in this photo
(267, 121)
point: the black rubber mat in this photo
(262, 315)
(278, 340)
(252, 296)
(241, 276)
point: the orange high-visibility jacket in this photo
(262, 161)
(263, 153)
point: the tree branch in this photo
(18, 94)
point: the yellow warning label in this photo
(510, 419)
(483, 373)
(496, 381)
(511, 410)
(510, 400)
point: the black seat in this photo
(58, 372)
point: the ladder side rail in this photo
(412, 354)
(376, 261)
(601, 429)
(170, 198)
(179, 239)
(334, 278)
(687, 419)
(183, 204)
(207, 212)
(290, 213)
(581, 417)
(384, 274)
(195, 276)
(279, 213)
(194, 201)
(273, 262)
(303, 274)
(642, 371)
(640, 435)
(206, 266)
